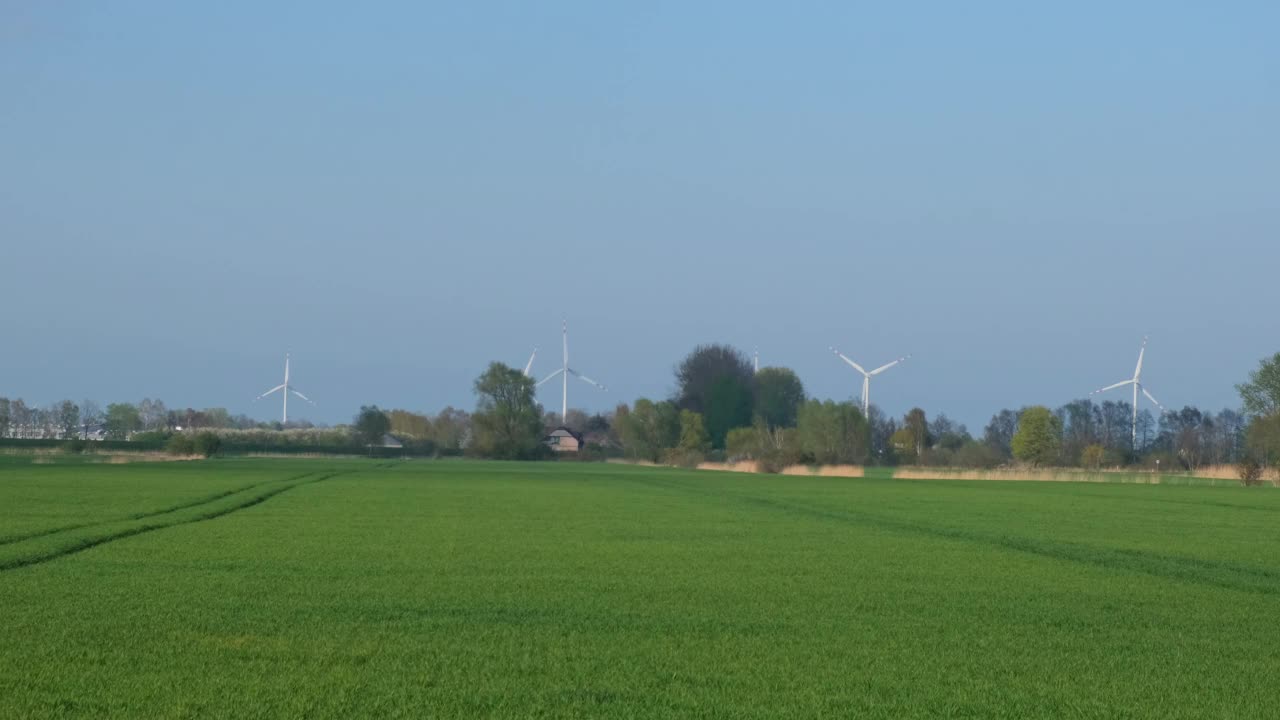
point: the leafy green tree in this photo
(904, 447)
(507, 422)
(693, 433)
(5, 417)
(831, 432)
(121, 420)
(778, 396)
(372, 425)
(917, 425)
(1263, 439)
(717, 382)
(1038, 439)
(1261, 395)
(649, 429)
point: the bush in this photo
(1250, 472)
(74, 446)
(206, 444)
(179, 444)
(683, 458)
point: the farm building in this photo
(562, 439)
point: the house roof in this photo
(563, 431)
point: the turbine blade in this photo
(274, 389)
(1111, 387)
(552, 375)
(528, 367)
(586, 379)
(855, 365)
(1137, 372)
(1152, 399)
(882, 368)
(304, 397)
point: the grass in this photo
(339, 588)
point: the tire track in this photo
(1169, 567)
(146, 527)
(11, 539)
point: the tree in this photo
(917, 425)
(451, 429)
(1261, 395)
(1092, 456)
(778, 395)
(949, 434)
(998, 435)
(507, 421)
(1263, 439)
(1039, 436)
(122, 419)
(409, 424)
(68, 418)
(372, 425)
(152, 414)
(5, 417)
(833, 433)
(716, 381)
(649, 429)
(693, 433)
(90, 414)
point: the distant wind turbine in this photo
(564, 372)
(1136, 382)
(866, 378)
(757, 360)
(284, 389)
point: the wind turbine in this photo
(285, 388)
(564, 372)
(866, 378)
(757, 360)
(528, 367)
(1136, 382)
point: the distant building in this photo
(562, 439)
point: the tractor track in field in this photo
(92, 542)
(11, 539)
(1229, 576)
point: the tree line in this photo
(723, 409)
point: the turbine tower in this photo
(757, 360)
(285, 388)
(1136, 382)
(866, 378)
(564, 372)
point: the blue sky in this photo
(400, 193)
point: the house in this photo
(562, 439)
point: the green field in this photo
(344, 588)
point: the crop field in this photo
(348, 588)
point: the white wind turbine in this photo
(866, 378)
(564, 372)
(284, 389)
(1136, 382)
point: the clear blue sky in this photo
(400, 193)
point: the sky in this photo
(399, 193)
